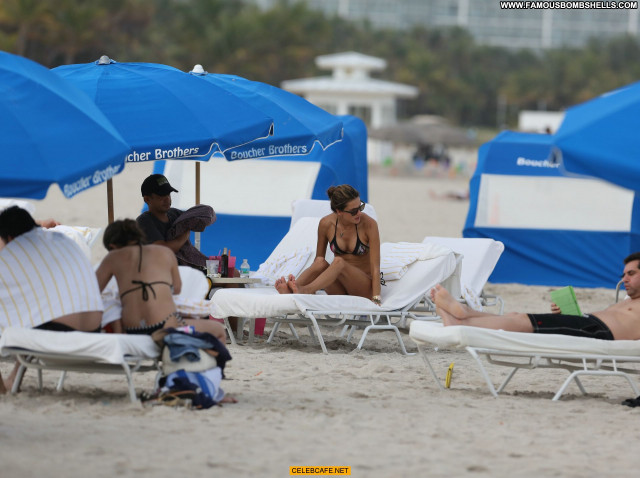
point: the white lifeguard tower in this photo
(351, 90)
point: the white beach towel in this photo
(396, 257)
(84, 237)
(471, 298)
(87, 235)
(282, 265)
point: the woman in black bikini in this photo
(354, 239)
(149, 277)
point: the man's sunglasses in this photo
(355, 211)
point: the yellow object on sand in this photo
(447, 380)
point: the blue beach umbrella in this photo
(299, 126)
(51, 132)
(600, 137)
(166, 114)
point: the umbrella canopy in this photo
(164, 113)
(50, 132)
(600, 137)
(298, 124)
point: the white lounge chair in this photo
(79, 352)
(312, 310)
(578, 355)
(98, 353)
(479, 258)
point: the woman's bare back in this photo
(146, 283)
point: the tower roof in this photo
(350, 59)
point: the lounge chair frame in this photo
(75, 363)
(577, 365)
(118, 354)
(346, 318)
(577, 355)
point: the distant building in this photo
(351, 90)
(486, 21)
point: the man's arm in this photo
(174, 244)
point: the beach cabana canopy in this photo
(252, 198)
(557, 230)
(600, 137)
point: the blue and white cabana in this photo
(252, 197)
(557, 229)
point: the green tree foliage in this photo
(457, 78)
(55, 32)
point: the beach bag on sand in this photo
(192, 367)
(202, 388)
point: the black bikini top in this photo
(144, 285)
(360, 249)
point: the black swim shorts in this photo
(58, 327)
(577, 325)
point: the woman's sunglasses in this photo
(355, 211)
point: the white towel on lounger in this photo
(396, 257)
(282, 265)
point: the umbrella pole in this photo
(197, 182)
(197, 199)
(110, 200)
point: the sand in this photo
(374, 410)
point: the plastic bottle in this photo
(224, 263)
(244, 268)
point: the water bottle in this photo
(244, 268)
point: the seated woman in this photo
(355, 241)
(147, 277)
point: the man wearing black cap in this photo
(157, 222)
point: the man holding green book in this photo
(620, 321)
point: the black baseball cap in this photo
(157, 184)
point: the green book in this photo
(565, 298)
